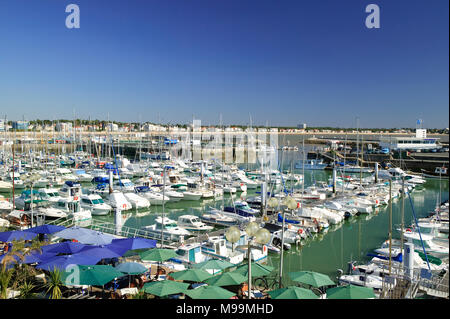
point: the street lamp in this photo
(291, 204)
(232, 235)
(260, 236)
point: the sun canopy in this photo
(209, 292)
(9, 236)
(314, 279)
(97, 275)
(85, 236)
(350, 292)
(67, 247)
(62, 262)
(157, 254)
(292, 293)
(45, 229)
(165, 288)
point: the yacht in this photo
(168, 228)
(155, 198)
(5, 187)
(5, 205)
(49, 194)
(137, 201)
(193, 223)
(82, 217)
(124, 185)
(95, 204)
(18, 183)
(23, 202)
(71, 189)
(216, 247)
(117, 199)
(217, 217)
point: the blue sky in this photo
(278, 62)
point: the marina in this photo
(339, 218)
(241, 151)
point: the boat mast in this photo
(402, 213)
(390, 225)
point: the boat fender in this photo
(124, 206)
(300, 231)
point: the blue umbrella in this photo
(45, 229)
(8, 236)
(62, 262)
(134, 243)
(101, 252)
(38, 257)
(67, 247)
(85, 236)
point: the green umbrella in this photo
(209, 292)
(350, 292)
(311, 278)
(196, 275)
(96, 275)
(131, 268)
(257, 270)
(157, 254)
(292, 293)
(214, 264)
(165, 287)
(227, 279)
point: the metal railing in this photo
(399, 285)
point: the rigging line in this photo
(418, 229)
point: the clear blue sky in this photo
(282, 62)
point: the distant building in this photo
(419, 142)
(20, 125)
(113, 127)
(2, 125)
(63, 126)
(302, 126)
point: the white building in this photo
(63, 126)
(419, 142)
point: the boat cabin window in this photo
(86, 201)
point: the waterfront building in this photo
(418, 142)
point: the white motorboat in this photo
(124, 185)
(167, 228)
(51, 212)
(154, 198)
(95, 204)
(193, 223)
(5, 205)
(82, 217)
(49, 194)
(117, 199)
(5, 187)
(23, 202)
(137, 201)
(218, 218)
(192, 195)
(216, 247)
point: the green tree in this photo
(54, 284)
